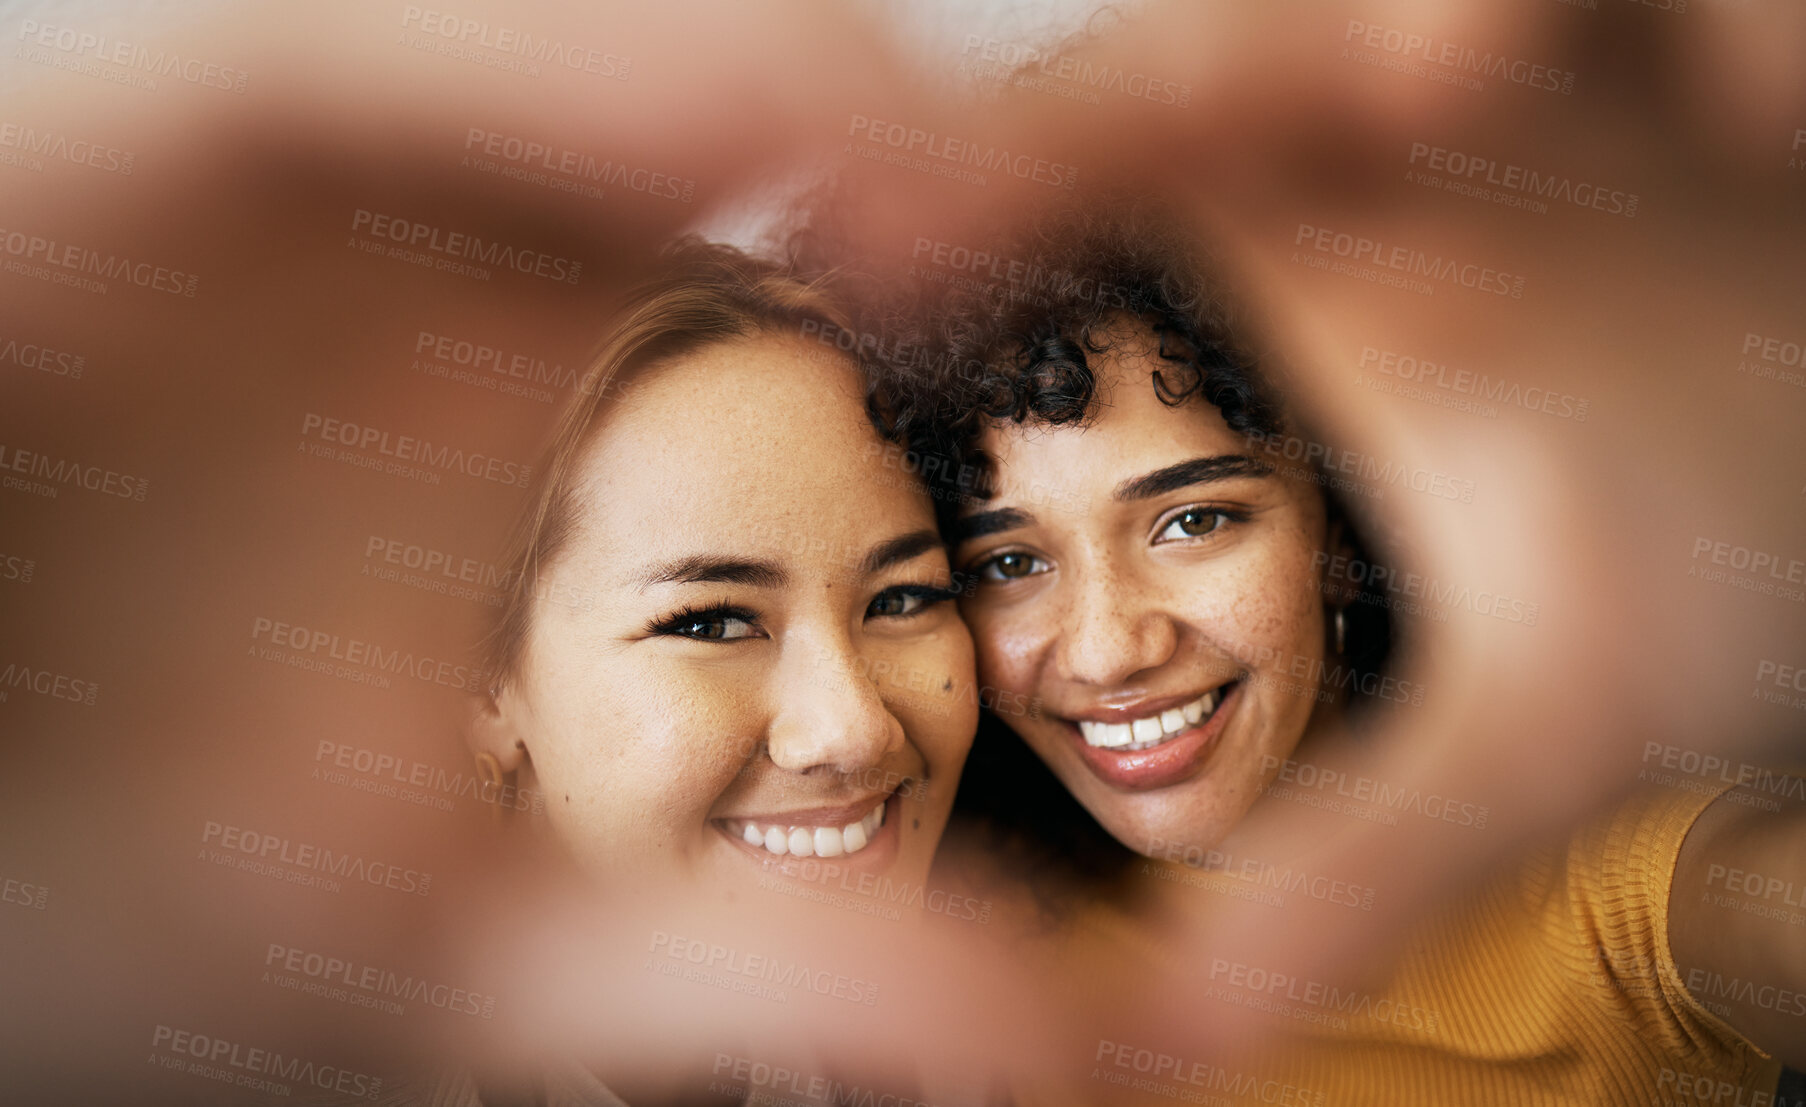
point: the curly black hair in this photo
(1005, 332)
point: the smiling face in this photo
(1153, 581)
(765, 665)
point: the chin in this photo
(1151, 828)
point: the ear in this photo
(1338, 589)
(496, 727)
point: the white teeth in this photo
(1141, 734)
(1108, 735)
(815, 841)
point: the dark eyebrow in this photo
(983, 523)
(898, 550)
(1199, 470)
(706, 569)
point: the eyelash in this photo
(1228, 515)
(675, 624)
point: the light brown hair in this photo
(704, 293)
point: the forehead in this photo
(1129, 430)
(745, 445)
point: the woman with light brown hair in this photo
(729, 652)
(708, 572)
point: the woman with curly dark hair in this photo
(1155, 562)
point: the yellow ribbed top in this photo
(1551, 985)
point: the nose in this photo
(829, 714)
(1112, 629)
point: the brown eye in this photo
(1012, 566)
(1193, 522)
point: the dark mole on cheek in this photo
(947, 687)
(915, 824)
(567, 797)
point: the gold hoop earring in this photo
(493, 777)
(1341, 630)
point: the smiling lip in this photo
(1177, 758)
(880, 849)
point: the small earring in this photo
(1341, 631)
(491, 768)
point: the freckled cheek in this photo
(645, 769)
(1007, 649)
(1276, 605)
(650, 799)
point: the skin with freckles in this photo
(1122, 595)
(769, 637)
